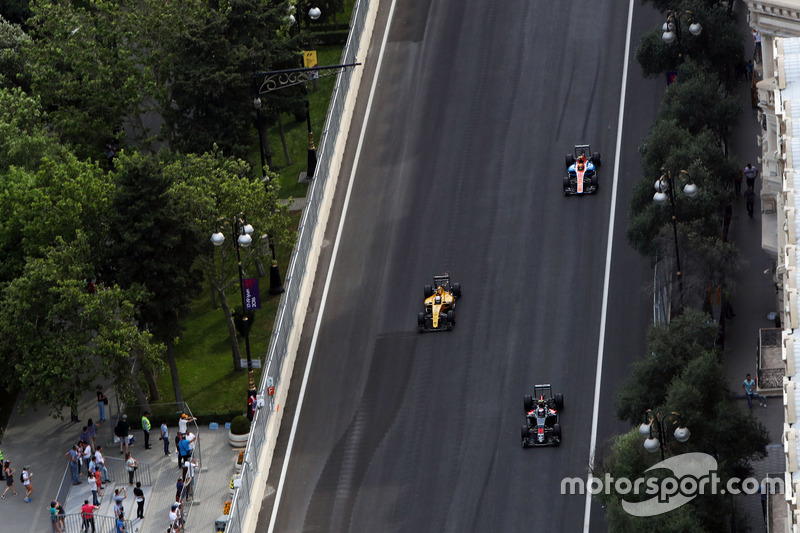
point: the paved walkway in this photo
(753, 298)
(39, 441)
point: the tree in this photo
(150, 245)
(12, 40)
(57, 338)
(63, 196)
(24, 141)
(84, 66)
(214, 189)
(208, 88)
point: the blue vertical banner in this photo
(252, 299)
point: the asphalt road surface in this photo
(476, 104)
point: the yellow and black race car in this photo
(440, 305)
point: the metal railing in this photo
(770, 360)
(118, 472)
(73, 523)
(284, 321)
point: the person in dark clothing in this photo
(138, 495)
(749, 200)
(122, 431)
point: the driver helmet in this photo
(437, 300)
(541, 405)
(581, 161)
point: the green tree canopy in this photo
(57, 338)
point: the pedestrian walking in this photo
(9, 473)
(87, 513)
(138, 494)
(165, 436)
(131, 465)
(74, 464)
(146, 429)
(750, 174)
(749, 387)
(749, 200)
(102, 401)
(26, 482)
(54, 518)
(122, 431)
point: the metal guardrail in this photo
(118, 473)
(73, 523)
(770, 360)
(284, 321)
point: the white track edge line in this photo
(312, 350)
(603, 314)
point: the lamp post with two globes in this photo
(672, 27)
(665, 190)
(658, 440)
(242, 232)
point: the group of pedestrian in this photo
(57, 516)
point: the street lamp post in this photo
(242, 231)
(311, 162)
(672, 27)
(665, 190)
(658, 441)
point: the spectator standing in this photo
(131, 465)
(750, 174)
(87, 454)
(165, 436)
(179, 489)
(102, 401)
(54, 517)
(175, 517)
(93, 486)
(84, 434)
(97, 480)
(122, 431)
(183, 451)
(91, 431)
(749, 200)
(121, 524)
(74, 464)
(188, 477)
(9, 473)
(138, 494)
(119, 496)
(87, 513)
(101, 463)
(146, 429)
(183, 423)
(26, 482)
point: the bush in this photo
(240, 425)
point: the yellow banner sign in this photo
(309, 58)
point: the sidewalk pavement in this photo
(37, 440)
(753, 298)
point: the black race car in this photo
(542, 427)
(582, 167)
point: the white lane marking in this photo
(603, 314)
(313, 348)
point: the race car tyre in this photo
(457, 290)
(559, 400)
(569, 160)
(421, 319)
(524, 433)
(451, 317)
(596, 159)
(528, 401)
(594, 182)
(557, 430)
(566, 185)
(428, 291)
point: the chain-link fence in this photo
(284, 322)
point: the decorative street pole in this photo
(241, 232)
(672, 27)
(665, 190)
(654, 443)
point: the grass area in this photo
(203, 354)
